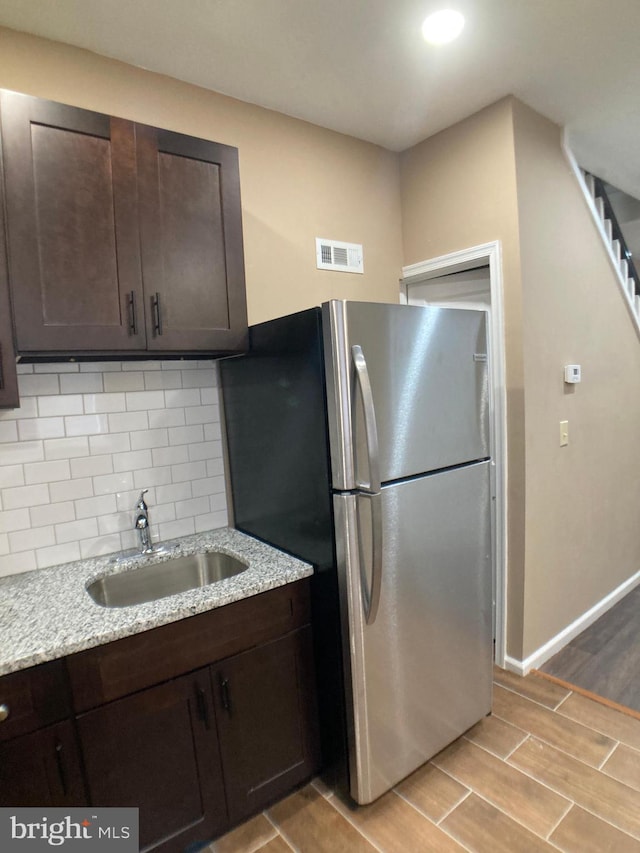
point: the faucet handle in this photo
(141, 501)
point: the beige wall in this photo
(298, 181)
(582, 500)
(459, 190)
(501, 174)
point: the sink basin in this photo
(148, 583)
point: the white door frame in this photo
(486, 254)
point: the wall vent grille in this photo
(338, 256)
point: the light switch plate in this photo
(564, 433)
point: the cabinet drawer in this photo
(116, 669)
(34, 698)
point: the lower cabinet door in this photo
(266, 711)
(42, 769)
(158, 750)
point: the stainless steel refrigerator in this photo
(357, 438)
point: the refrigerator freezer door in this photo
(427, 369)
(421, 672)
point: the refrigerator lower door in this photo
(420, 674)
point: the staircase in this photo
(620, 255)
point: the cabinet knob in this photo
(4, 712)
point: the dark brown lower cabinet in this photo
(265, 709)
(42, 769)
(158, 750)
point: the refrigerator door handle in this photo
(371, 598)
(370, 427)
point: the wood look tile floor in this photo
(551, 769)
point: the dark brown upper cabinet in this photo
(8, 375)
(121, 237)
(191, 239)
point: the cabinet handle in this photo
(203, 707)
(157, 314)
(61, 771)
(4, 712)
(133, 318)
(224, 694)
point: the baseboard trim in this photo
(550, 648)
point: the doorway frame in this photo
(485, 254)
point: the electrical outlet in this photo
(564, 433)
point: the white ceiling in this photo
(361, 66)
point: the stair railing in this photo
(616, 231)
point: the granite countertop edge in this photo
(48, 613)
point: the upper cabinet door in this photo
(73, 239)
(191, 237)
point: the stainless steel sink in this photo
(148, 583)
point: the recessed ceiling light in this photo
(442, 27)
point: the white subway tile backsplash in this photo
(215, 468)
(102, 505)
(28, 409)
(71, 490)
(91, 466)
(11, 475)
(86, 424)
(56, 513)
(180, 399)
(22, 561)
(172, 493)
(190, 471)
(47, 472)
(145, 478)
(66, 448)
(170, 455)
(193, 507)
(40, 428)
(23, 540)
(186, 434)
(128, 422)
(73, 531)
(57, 554)
(201, 414)
(141, 365)
(155, 380)
(205, 450)
(81, 383)
(16, 519)
(181, 527)
(149, 439)
(109, 484)
(25, 496)
(14, 452)
(99, 546)
(35, 384)
(144, 400)
(124, 381)
(132, 460)
(59, 367)
(114, 442)
(88, 438)
(209, 397)
(166, 418)
(100, 367)
(208, 486)
(99, 403)
(24, 368)
(8, 431)
(68, 404)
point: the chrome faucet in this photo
(142, 524)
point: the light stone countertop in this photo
(48, 613)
